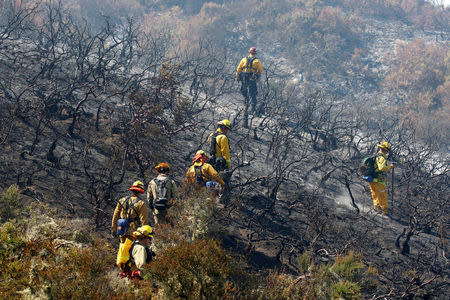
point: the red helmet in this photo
(138, 187)
(252, 50)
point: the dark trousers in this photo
(249, 88)
(219, 164)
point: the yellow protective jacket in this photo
(222, 146)
(208, 173)
(257, 66)
(381, 167)
(140, 212)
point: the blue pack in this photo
(368, 178)
(122, 226)
(211, 185)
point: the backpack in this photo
(367, 166)
(123, 260)
(249, 73)
(199, 176)
(249, 64)
(161, 201)
(122, 224)
(212, 145)
(212, 185)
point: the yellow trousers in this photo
(379, 196)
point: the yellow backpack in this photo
(123, 256)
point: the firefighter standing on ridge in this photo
(160, 191)
(378, 185)
(131, 210)
(248, 73)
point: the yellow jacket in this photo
(208, 173)
(140, 212)
(257, 66)
(381, 167)
(222, 146)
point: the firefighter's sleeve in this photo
(209, 138)
(224, 148)
(213, 174)
(240, 66)
(143, 214)
(189, 176)
(149, 193)
(150, 196)
(381, 164)
(116, 217)
(139, 256)
(174, 193)
(258, 65)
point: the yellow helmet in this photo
(145, 230)
(200, 152)
(137, 186)
(226, 123)
(385, 146)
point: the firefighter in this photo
(161, 190)
(131, 212)
(248, 73)
(378, 185)
(135, 252)
(201, 172)
(219, 148)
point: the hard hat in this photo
(226, 123)
(201, 152)
(137, 186)
(385, 146)
(162, 166)
(200, 156)
(252, 50)
(145, 230)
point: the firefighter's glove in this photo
(136, 275)
(127, 274)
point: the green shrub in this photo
(281, 286)
(191, 217)
(13, 262)
(346, 278)
(9, 203)
(304, 261)
(345, 290)
(79, 273)
(349, 267)
(195, 270)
